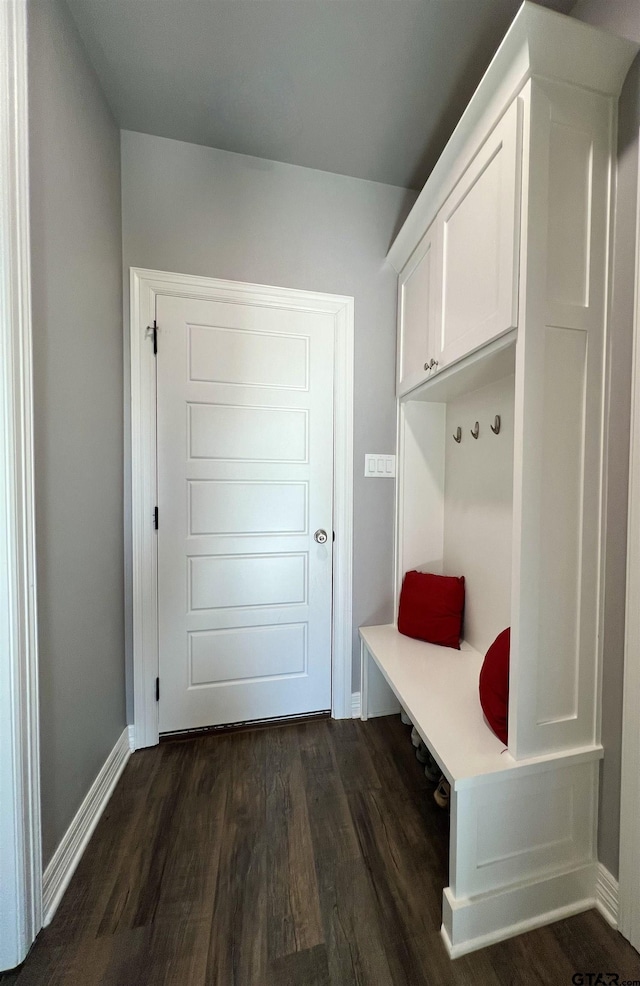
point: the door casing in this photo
(145, 286)
(629, 867)
(20, 828)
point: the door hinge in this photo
(155, 518)
(334, 535)
(153, 329)
(157, 689)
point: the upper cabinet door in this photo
(479, 231)
(417, 314)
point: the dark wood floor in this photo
(305, 855)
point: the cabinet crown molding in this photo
(540, 43)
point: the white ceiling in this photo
(369, 88)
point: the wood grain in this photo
(310, 854)
(293, 914)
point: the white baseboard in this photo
(511, 931)
(472, 923)
(74, 842)
(606, 902)
(355, 705)
(607, 895)
(132, 738)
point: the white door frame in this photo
(629, 880)
(20, 843)
(145, 285)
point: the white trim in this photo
(74, 842)
(145, 285)
(629, 903)
(20, 853)
(607, 895)
(517, 928)
(355, 705)
(143, 486)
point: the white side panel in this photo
(380, 699)
(559, 415)
(570, 190)
(478, 511)
(522, 853)
(562, 486)
(514, 828)
(478, 230)
(420, 489)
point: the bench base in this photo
(468, 925)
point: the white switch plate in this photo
(379, 466)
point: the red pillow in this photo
(431, 608)
(494, 685)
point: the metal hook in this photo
(495, 427)
(458, 435)
(476, 430)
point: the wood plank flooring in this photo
(305, 855)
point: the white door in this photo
(245, 480)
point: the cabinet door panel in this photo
(479, 234)
(417, 313)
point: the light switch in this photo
(377, 466)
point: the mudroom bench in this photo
(522, 831)
(438, 688)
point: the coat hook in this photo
(476, 430)
(458, 435)
(495, 427)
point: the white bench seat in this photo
(438, 687)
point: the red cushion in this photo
(494, 685)
(431, 608)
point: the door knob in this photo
(320, 536)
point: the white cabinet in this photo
(515, 221)
(418, 311)
(459, 288)
(478, 231)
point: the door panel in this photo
(245, 477)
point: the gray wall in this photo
(195, 210)
(620, 17)
(77, 338)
